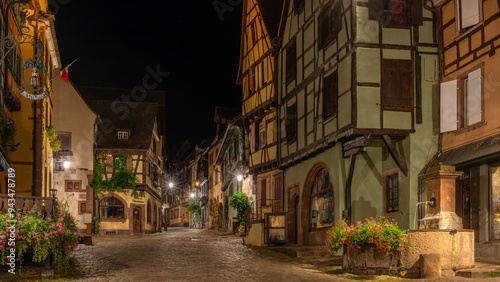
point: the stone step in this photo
(478, 273)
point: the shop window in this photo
(462, 101)
(111, 207)
(73, 185)
(391, 191)
(397, 84)
(495, 203)
(330, 95)
(322, 201)
(330, 23)
(468, 14)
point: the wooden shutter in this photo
(330, 95)
(390, 83)
(291, 62)
(245, 87)
(474, 97)
(252, 80)
(109, 161)
(265, 70)
(259, 193)
(376, 10)
(252, 138)
(405, 81)
(268, 191)
(264, 135)
(337, 18)
(448, 111)
(291, 122)
(129, 163)
(416, 7)
(469, 10)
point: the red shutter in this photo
(259, 193)
(245, 87)
(252, 138)
(268, 191)
(252, 80)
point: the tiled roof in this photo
(139, 119)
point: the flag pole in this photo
(63, 69)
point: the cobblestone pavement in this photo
(183, 254)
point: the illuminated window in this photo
(73, 185)
(122, 134)
(322, 204)
(111, 207)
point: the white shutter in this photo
(470, 12)
(448, 113)
(474, 97)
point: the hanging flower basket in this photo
(55, 143)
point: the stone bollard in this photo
(430, 266)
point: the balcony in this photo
(44, 205)
(262, 206)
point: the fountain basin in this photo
(454, 247)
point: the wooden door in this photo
(137, 220)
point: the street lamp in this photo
(192, 195)
(239, 177)
(53, 193)
(171, 185)
(66, 164)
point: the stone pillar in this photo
(441, 181)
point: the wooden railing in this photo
(46, 206)
(262, 206)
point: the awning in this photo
(478, 151)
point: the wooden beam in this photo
(347, 211)
(397, 158)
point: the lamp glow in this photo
(66, 164)
(192, 195)
(239, 177)
(171, 185)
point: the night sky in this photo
(115, 41)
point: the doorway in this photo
(293, 220)
(137, 220)
(464, 203)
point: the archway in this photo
(316, 205)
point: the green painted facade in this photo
(357, 54)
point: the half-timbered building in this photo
(469, 36)
(257, 73)
(136, 135)
(357, 81)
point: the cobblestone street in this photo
(186, 255)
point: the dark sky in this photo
(115, 41)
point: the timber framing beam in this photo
(397, 158)
(347, 211)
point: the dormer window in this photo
(123, 135)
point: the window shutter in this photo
(129, 163)
(390, 84)
(259, 193)
(474, 97)
(416, 12)
(252, 138)
(375, 10)
(266, 74)
(448, 112)
(330, 95)
(405, 83)
(337, 18)
(252, 81)
(109, 161)
(469, 10)
(264, 135)
(268, 191)
(245, 87)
